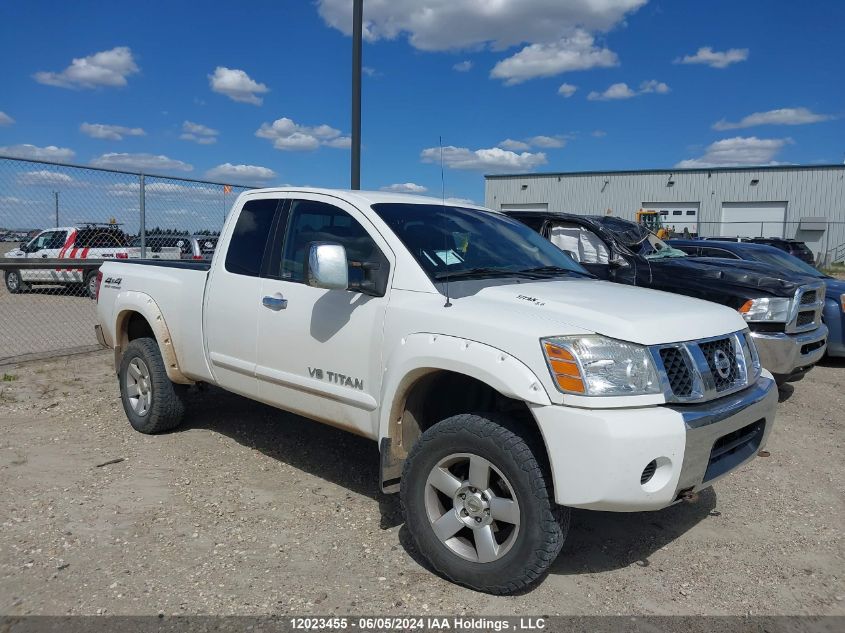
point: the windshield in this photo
(639, 239)
(781, 259)
(459, 242)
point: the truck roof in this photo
(369, 197)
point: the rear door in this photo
(319, 351)
(233, 297)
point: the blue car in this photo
(834, 305)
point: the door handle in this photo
(44, 256)
(276, 302)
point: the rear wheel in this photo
(14, 282)
(151, 401)
(477, 503)
(91, 284)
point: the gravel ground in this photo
(247, 510)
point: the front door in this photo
(49, 244)
(320, 351)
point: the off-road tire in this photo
(521, 459)
(167, 399)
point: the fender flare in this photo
(423, 353)
(129, 301)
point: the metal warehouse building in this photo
(802, 202)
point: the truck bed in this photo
(184, 264)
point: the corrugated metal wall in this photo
(808, 192)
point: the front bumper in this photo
(787, 354)
(598, 456)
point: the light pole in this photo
(357, 26)
(56, 195)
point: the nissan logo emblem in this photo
(722, 364)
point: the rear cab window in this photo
(251, 236)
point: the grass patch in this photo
(9, 377)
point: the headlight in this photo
(600, 366)
(775, 309)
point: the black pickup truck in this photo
(782, 309)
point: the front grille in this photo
(648, 472)
(808, 297)
(721, 359)
(805, 318)
(677, 371)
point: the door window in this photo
(250, 237)
(312, 221)
(50, 239)
(583, 245)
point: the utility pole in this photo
(357, 27)
(56, 194)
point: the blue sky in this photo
(638, 90)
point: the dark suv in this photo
(793, 247)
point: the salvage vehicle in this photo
(833, 313)
(174, 246)
(783, 310)
(86, 241)
(503, 383)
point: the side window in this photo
(103, 239)
(249, 239)
(584, 246)
(50, 239)
(717, 252)
(312, 221)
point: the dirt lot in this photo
(248, 510)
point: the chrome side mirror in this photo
(617, 261)
(327, 267)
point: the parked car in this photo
(503, 383)
(782, 309)
(174, 246)
(795, 248)
(79, 243)
(833, 313)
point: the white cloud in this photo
(567, 90)
(369, 71)
(169, 190)
(106, 68)
(45, 178)
(237, 85)
(51, 152)
(623, 91)
(290, 136)
(246, 174)
(576, 52)
(494, 159)
(464, 66)
(5, 119)
(110, 132)
(782, 116)
(547, 141)
(653, 86)
(715, 59)
(140, 162)
(739, 151)
(598, 133)
(405, 187)
(513, 145)
(198, 133)
(615, 91)
(461, 201)
(437, 25)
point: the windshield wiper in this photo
(553, 270)
(471, 273)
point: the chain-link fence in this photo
(59, 222)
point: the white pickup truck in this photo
(503, 383)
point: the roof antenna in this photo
(448, 303)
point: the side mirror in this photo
(617, 261)
(327, 267)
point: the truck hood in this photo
(835, 288)
(16, 252)
(735, 275)
(628, 313)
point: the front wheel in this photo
(477, 503)
(14, 282)
(150, 400)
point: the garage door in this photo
(753, 219)
(677, 215)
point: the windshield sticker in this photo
(449, 257)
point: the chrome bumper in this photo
(785, 354)
(725, 434)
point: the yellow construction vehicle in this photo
(653, 222)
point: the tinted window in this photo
(312, 221)
(444, 238)
(677, 212)
(246, 248)
(98, 239)
(50, 239)
(690, 212)
(717, 252)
